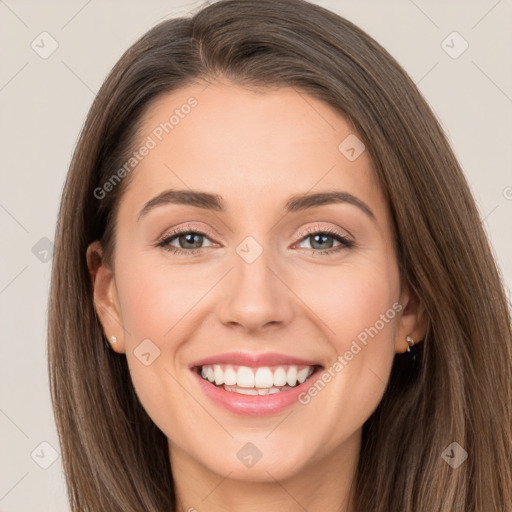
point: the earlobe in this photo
(413, 322)
(106, 301)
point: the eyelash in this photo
(168, 238)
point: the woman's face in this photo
(261, 287)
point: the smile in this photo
(254, 384)
(263, 380)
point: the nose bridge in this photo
(254, 295)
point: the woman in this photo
(335, 336)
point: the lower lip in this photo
(255, 405)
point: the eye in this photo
(322, 241)
(189, 241)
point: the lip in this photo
(254, 360)
(251, 405)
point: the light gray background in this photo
(44, 103)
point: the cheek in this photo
(158, 306)
(351, 299)
(359, 312)
(154, 298)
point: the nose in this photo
(256, 296)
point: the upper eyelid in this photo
(187, 229)
(328, 230)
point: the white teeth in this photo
(291, 376)
(263, 378)
(280, 377)
(266, 379)
(255, 391)
(247, 391)
(245, 377)
(219, 374)
(229, 376)
(302, 375)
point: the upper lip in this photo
(254, 360)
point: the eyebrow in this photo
(214, 202)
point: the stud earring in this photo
(410, 342)
(113, 339)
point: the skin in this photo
(255, 149)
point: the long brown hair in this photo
(458, 389)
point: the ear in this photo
(106, 301)
(413, 320)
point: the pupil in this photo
(189, 237)
(320, 236)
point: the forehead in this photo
(237, 142)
